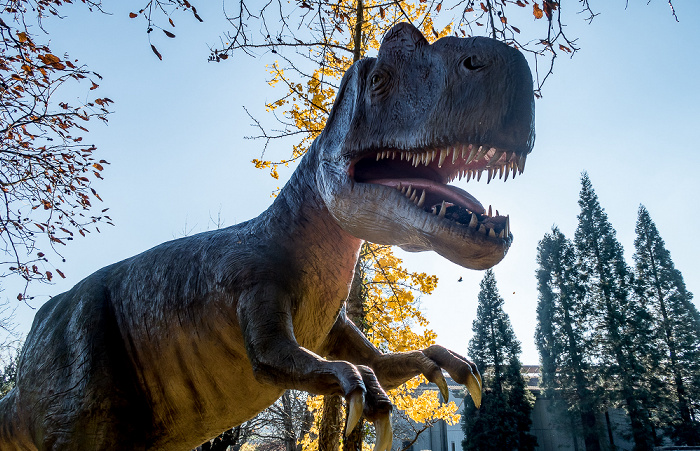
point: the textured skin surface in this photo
(167, 349)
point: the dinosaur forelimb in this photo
(277, 358)
(346, 342)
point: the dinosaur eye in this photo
(472, 63)
(379, 83)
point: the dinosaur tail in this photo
(12, 438)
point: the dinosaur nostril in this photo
(473, 63)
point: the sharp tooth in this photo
(408, 193)
(464, 151)
(482, 151)
(478, 174)
(500, 172)
(482, 229)
(469, 175)
(472, 153)
(434, 210)
(496, 156)
(492, 233)
(443, 209)
(379, 155)
(401, 155)
(474, 221)
(521, 163)
(443, 154)
(490, 213)
(399, 187)
(421, 201)
(497, 213)
(507, 169)
(413, 196)
(432, 155)
(502, 234)
(490, 175)
(415, 160)
(393, 155)
(455, 152)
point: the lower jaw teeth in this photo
(458, 215)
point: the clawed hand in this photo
(375, 404)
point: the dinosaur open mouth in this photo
(423, 177)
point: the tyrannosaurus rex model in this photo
(167, 349)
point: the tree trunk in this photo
(354, 441)
(355, 309)
(331, 424)
(290, 437)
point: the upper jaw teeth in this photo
(497, 163)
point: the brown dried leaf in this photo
(133, 15)
(155, 50)
(536, 11)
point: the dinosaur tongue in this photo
(436, 192)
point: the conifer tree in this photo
(661, 287)
(503, 422)
(562, 320)
(621, 325)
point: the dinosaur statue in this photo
(167, 349)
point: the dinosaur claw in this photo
(474, 387)
(442, 385)
(356, 404)
(384, 433)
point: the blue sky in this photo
(625, 109)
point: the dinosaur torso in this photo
(169, 348)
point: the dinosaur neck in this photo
(308, 232)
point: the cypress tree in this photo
(562, 318)
(621, 324)
(503, 422)
(661, 287)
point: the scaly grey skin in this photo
(167, 349)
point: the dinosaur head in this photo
(407, 123)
